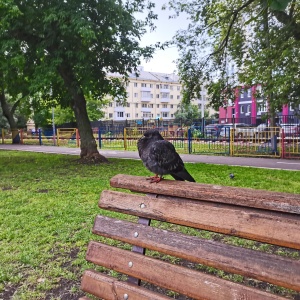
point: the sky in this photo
(163, 60)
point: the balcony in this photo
(146, 109)
(146, 89)
(119, 109)
(146, 99)
(165, 110)
(165, 99)
(162, 90)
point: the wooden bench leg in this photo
(137, 249)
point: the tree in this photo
(72, 46)
(187, 113)
(232, 43)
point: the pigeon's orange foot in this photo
(155, 179)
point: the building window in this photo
(135, 84)
(127, 115)
(136, 105)
(165, 95)
(248, 108)
(166, 86)
(146, 94)
(157, 95)
(242, 93)
(178, 88)
(171, 105)
(249, 93)
(110, 115)
(171, 87)
(136, 115)
(144, 84)
(165, 105)
(178, 97)
(157, 86)
(146, 115)
(172, 116)
(165, 114)
(135, 95)
(171, 96)
(157, 105)
(110, 104)
(120, 114)
(242, 109)
(151, 85)
(261, 107)
(144, 105)
(128, 104)
(150, 105)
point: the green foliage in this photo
(187, 113)
(234, 43)
(279, 4)
(64, 51)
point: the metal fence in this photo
(268, 142)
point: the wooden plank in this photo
(284, 202)
(266, 226)
(110, 288)
(189, 282)
(274, 269)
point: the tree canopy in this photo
(240, 43)
(69, 47)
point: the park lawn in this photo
(48, 203)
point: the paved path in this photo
(269, 163)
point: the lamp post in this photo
(53, 126)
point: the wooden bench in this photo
(264, 220)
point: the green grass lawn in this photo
(48, 204)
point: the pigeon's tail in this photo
(183, 175)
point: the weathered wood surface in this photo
(254, 264)
(284, 202)
(194, 284)
(265, 226)
(110, 288)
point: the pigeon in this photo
(160, 157)
(231, 176)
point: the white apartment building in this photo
(152, 95)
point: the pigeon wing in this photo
(164, 154)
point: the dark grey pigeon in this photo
(160, 157)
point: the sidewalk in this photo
(269, 163)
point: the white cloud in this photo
(163, 60)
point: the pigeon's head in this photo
(152, 134)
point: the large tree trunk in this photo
(88, 144)
(9, 115)
(87, 141)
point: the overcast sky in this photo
(163, 60)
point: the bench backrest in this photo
(263, 218)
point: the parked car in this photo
(263, 130)
(213, 130)
(241, 130)
(290, 129)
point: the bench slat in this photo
(251, 223)
(277, 201)
(255, 264)
(110, 288)
(192, 283)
